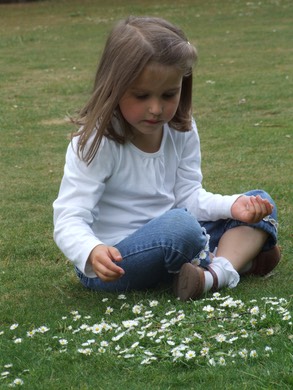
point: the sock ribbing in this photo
(227, 275)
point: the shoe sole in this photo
(265, 262)
(189, 282)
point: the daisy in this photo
(243, 333)
(128, 356)
(243, 353)
(177, 354)
(222, 361)
(154, 303)
(254, 310)
(205, 351)
(130, 323)
(220, 338)
(170, 342)
(270, 332)
(170, 312)
(18, 382)
(118, 337)
(212, 362)
(96, 328)
(109, 310)
(137, 309)
(181, 317)
(85, 351)
(43, 329)
(13, 326)
(286, 317)
(146, 361)
(253, 322)
(253, 354)
(148, 353)
(31, 333)
(208, 308)
(189, 355)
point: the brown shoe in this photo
(265, 262)
(189, 282)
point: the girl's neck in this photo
(148, 143)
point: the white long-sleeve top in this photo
(123, 188)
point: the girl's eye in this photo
(141, 97)
(165, 96)
(169, 95)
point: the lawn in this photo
(56, 335)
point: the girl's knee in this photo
(184, 227)
(261, 193)
(181, 219)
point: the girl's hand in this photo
(101, 259)
(251, 209)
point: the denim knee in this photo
(185, 230)
(176, 230)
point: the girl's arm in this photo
(190, 194)
(81, 189)
(207, 206)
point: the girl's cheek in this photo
(172, 110)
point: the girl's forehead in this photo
(159, 75)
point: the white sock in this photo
(227, 275)
(209, 280)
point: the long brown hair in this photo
(132, 44)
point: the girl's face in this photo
(151, 101)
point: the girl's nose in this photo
(156, 107)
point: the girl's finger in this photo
(107, 275)
(260, 205)
(256, 209)
(266, 206)
(111, 268)
(106, 269)
(114, 253)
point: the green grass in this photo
(243, 108)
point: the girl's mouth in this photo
(152, 122)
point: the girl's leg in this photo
(239, 246)
(154, 251)
(252, 249)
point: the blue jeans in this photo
(159, 248)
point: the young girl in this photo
(131, 210)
